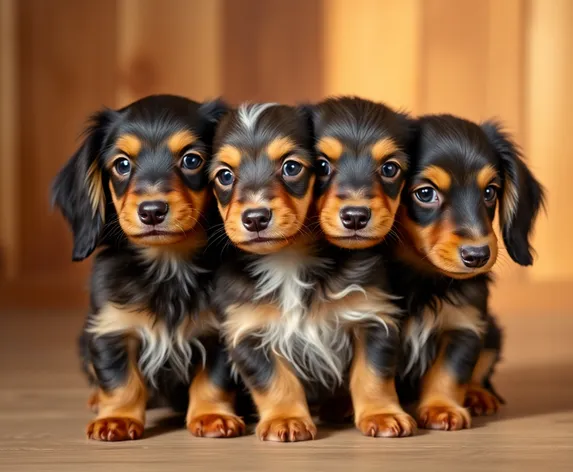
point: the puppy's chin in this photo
(264, 247)
(160, 236)
(352, 242)
(159, 239)
(456, 269)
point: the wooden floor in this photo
(43, 416)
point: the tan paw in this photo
(115, 429)
(481, 402)
(387, 425)
(216, 426)
(444, 417)
(286, 429)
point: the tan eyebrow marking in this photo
(384, 147)
(331, 147)
(229, 155)
(438, 176)
(129, 144)
(486, 175)
(180, 140)
(277, 148)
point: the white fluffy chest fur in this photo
(419, 331)
(314, 330)
(157, 344)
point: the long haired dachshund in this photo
(361, 167)
(460, 172)
(137, 188)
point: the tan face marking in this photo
(280, 147)
(229, 155)
(383, 147)
(330, 147)
(180, 140)
(129, 144)
(438, 176)
(383, 210)
(485, 176)
(438, 244)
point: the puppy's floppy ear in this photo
(410, 133)
(212, 113)
(522, 195)
(78, 189)
(214, 110)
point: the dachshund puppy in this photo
(137, 188)
(459, 172)
(361, 167)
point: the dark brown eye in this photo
(427, 196)
(292, 168)
(390, 170)
(122, 166)
(225, 177)
(490, 194)
(191, 161)
(323, 168)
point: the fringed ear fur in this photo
(522, 195)
(78, 189)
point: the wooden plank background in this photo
(63, 59)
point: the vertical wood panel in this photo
(8, 133)
(67, 70)
(170, 46)
(549, 129)
(505, 80)
(455, 57)
(272, 50)
(372, 49)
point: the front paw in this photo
(444, 417)
(286, 429)
(480, 401)
(387, 425)
(115, 429)
(216, 426)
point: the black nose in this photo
(355, 217)
(152, 213)
(256, 219)
(475, 256)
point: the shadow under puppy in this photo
(361, 166)
(441, 265)
(137, 188)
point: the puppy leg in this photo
(481, 397)
(479, 400)
(376, 407)
(277, 392)
(122, 394)
(444, 386)
(211, 412)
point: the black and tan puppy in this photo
(361, 166)
(137, 188)
(459, 173)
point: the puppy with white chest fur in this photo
(361, 168)
(137, 190)
(289, 318)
